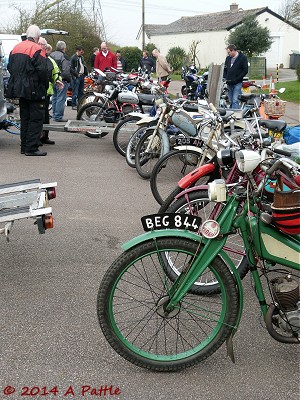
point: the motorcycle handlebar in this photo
(278, 164)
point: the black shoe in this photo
(61, 120)
(36, 153)
(47, 141)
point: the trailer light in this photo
(48, 221)
(51, 192)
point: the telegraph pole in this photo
(143, 24)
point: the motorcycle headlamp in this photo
(247, 160)
(225, 157)
(159, 102)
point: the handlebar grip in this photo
(264, 135)
(273, 168)
(282, 152)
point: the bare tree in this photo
(290, 10)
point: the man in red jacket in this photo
(105, 59)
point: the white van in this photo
(8, 42)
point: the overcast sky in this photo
(123, 18)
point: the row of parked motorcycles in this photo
(228, 189)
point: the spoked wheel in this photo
(87, 98)
(197, 203)
(123, 132)
(131, 308)
(148, 150)
(91, 112)
(132, 144)
(170, 168)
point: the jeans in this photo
(233, 92)
(59, 101)
(32, 116)
(77, 89)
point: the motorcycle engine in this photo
(286, 294)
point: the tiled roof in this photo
(207, 22)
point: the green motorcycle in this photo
(153, 318)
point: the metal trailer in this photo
(27, 199)
(94, 129)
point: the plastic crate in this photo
(274, 107)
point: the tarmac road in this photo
(49, 333)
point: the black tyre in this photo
(170, 168)
(91, 112)
(132, 144)
(131, 311)
(169, 200)
(197, 203)
(87, 98)
(123, 132)
(148, 150)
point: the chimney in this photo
(234, 7)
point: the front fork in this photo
(202, 260)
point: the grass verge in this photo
(292, 91)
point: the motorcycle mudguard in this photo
(159, 233)
(136, 114)
(144, 120)
(196, 174)
(188, 147)
(193, 236)
(165, 141)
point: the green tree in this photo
(132, 56)
(150, 47)
(176, 57)
(250, 37)
(298, 71)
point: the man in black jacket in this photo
(235, 68)
(29, 82)
(147, 63)
(78, 71)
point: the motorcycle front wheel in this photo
(91, 112)
(123, 132)
(132, 144)
(170, 168)
(131, 312)
(148, 150)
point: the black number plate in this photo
(171, 221)
(189, 141)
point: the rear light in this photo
(51, 192)
(297, 180)
(48, 221)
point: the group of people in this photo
(34, 75)
(104, 59)
(37, 73)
